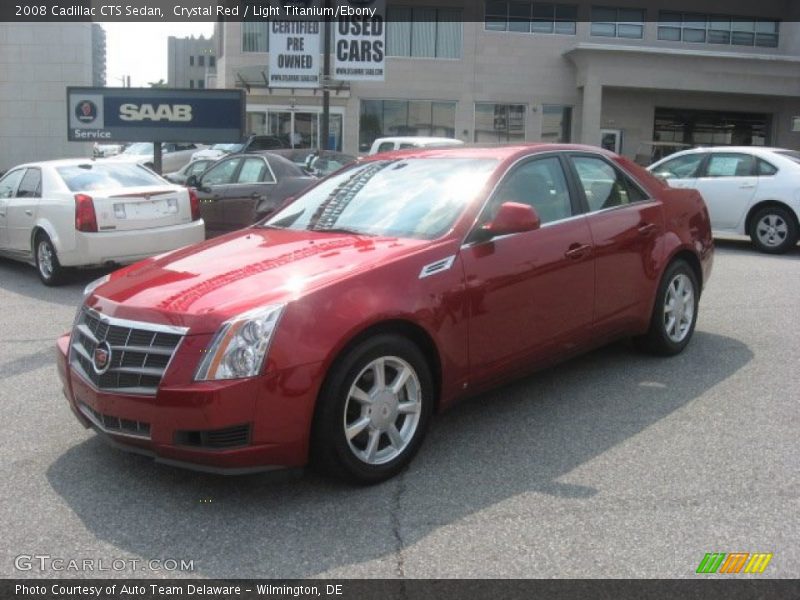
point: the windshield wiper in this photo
(349, 230)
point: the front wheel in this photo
(675, 311)
(774, 230)
(50, 270)
(373, 410)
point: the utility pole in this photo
(326, 76)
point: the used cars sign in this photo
(154, 115)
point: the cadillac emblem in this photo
(101, 359)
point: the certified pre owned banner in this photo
(359, 51)
(294, 53)
(154, 115)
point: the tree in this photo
(157, 84)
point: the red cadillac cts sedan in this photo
(333, 330)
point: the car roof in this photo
(497, 152)
(751, 149)
(66, 162)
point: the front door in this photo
(21, 212)
(250, 188)
(8, 188)
(211, 192)
(530, 294)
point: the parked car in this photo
(106, 150)
(749, 190)
(388, 144)
(241, 189)
(649, 152)
(196, 167)
(173, 156)
(254, 143)
(333, 330)
(318, 163)
(69, 213)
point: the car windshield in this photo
(416, 198)
(101, 176)
(227, 147)
(139, 149)
(790, 154)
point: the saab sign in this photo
(154, 115)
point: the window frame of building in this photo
(201, 60)
(565, 135)
(191, 84)
(253, 32)
(191, 60)
(201, 84)
(394, 107)
(507, 133)
(619, 22)
(410, 37)
(556, 18)
(724, 30)
(212, 62)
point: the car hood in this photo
(200, 286)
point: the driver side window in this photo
(682, 167)
(221, 173)
(539, 183)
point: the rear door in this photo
(626, 227)
(728, 183)
(22, 209)
(8, 188)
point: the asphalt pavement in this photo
(614, 464)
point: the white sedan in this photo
(749, 190)
(68, 213)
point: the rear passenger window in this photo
(764, 168)
(731, 165)
(605, 186)
(30, 186)
(541, 184)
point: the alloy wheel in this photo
(679, 307)
(772, 230)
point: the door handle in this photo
(255, 195)
(747, 186)
(29, 212)
(647, 228)
(577, 251)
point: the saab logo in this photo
(719, 562)
(86, 111)
(163, 112)
(101, 359)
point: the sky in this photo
(140, 49)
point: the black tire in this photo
(661, 339)
(773, 230)
(52, 274)
(331, 451)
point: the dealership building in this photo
(622, 74)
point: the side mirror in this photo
(192, 181)
(511, 217)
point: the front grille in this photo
(230, 437)
(139, 352)
(116, 425)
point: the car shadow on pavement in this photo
(519, 439)
(21, 278)
(745, 246)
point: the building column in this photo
(591, 113)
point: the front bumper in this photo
(277, 410)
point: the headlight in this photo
(240, 346)
(92, 286)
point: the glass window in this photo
(212, 61)
(99, 176)
(603, 185)
(556, 124)
(617, 22)
(540, 184)
(731, 165)
(717, 29)
(424, 32)
(255, 37)
(9, 183)
(765, 168)
(499, 122)
(222, 173)
(531, 17)
(191, 60)
(30, 186)
(252, 171)
(681, 167)
(374, 198)
(385, 118)
(197, 167)
(201, 61)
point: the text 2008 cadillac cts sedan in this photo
(332, 331)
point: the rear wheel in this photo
(373, 410)
(675, 311)
(774, 230)
(50, 270)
